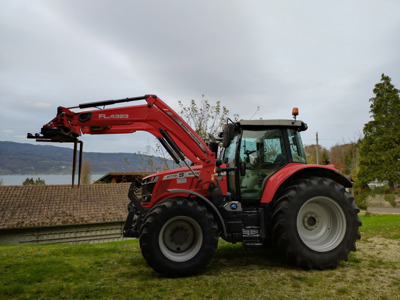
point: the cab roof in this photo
(300, 125)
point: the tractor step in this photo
(252, 236)
(131, 233)
(252, 231)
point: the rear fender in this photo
(297, 171)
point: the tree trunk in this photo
(391, 186)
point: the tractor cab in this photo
(258, 149)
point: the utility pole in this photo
(317, 147)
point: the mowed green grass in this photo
(118, 271)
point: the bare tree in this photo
(203, 116)
(86, 174)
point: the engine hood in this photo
(174, 173)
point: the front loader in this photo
(258, 191)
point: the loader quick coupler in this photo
(136, 213)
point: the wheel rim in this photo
(180, 238)
(321, 224)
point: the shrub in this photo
(391, 199)
(30, 181)
(361, 193)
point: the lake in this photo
(49, 179)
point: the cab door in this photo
(263, 151)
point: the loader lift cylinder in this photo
(108, 102)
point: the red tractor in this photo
(259, 191)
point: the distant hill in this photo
(22, 158)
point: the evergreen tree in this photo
(380, 149)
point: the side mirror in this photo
(213, 146)
(242, 168)
(229, 133)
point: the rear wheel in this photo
(179, 237)
(315, 223)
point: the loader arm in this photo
(155, 117)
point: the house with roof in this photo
(40, 214)
(121, 177)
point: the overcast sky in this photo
(322, 56)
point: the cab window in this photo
(262, 149)
(296, 146)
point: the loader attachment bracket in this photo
(136, 213)
(60, 136)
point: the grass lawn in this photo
(118, 271)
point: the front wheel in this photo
(179, 237)
(315, 223)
